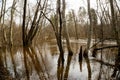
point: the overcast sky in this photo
(75, 4)
(70, 4)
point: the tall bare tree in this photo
(28, 35)
(23, 24)
(11, 22)
(90, 27)
(3, 10)
(117, 37)
(65, 27)
(70, 52)
(57, 27)
(89, 41)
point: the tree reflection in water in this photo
(39, 63)
(30, 53)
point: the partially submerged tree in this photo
(89, 41)
(117, 37)
(33, 28)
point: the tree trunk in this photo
(3, 26)
(1, 13)
(28, 36)
(116, 36)
(75, 22)
(11, 23)
(70, 53)
(90, 27)
(23, 25)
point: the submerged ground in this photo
(41, 62)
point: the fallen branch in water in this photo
(101, 48)
(100, 41)
(104, 63)
(106, 47)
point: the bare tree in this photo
(11, 22)
(30, 34)
(65, 28)
(23, 24)
(90, 27)
(116, 36)
(57, 27)
(3, 19)
(89, 41)
(75, 22)
(1, 12)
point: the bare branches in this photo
(49, 21)
(35, 23)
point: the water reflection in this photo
(13, 62)
(67, 66)
(80, 58)
(85, 54)
(41, 63)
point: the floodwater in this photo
(41, 63)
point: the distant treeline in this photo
(46, 33)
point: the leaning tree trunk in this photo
(57, 28)
(65, 29)
(28, 36)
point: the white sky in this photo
(70, 4)
(75, 4)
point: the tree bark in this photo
(90, 27)
(3, 26)
(116, 36)
(11, 23)
(1, 10)
(23, 25)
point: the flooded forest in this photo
(59, 39)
